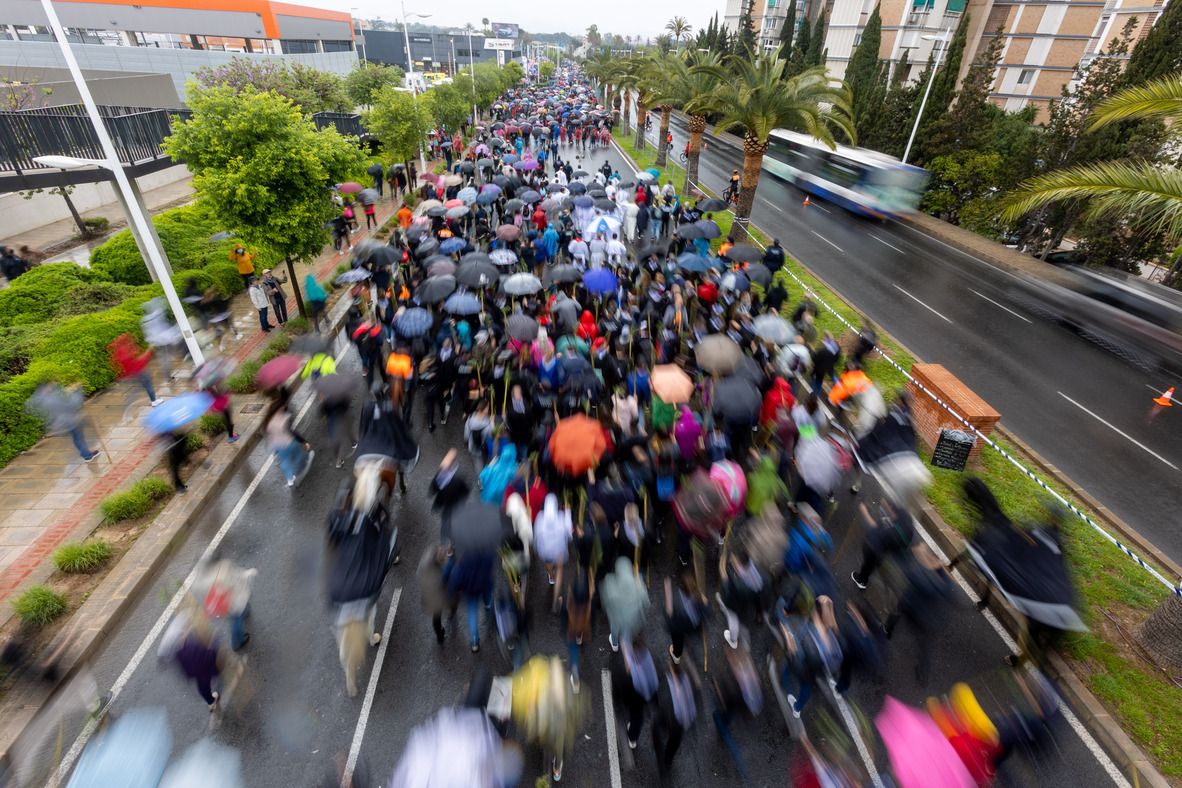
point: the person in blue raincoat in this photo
(497, 475)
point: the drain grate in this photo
(253, 407)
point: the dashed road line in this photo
(826, 240)
(613, 743)
(1001, 306)
(887, 243)
(370, 691)
(1118, 431)
(921, 303)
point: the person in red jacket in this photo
(539, 219)
(779, 398)
(587, 330)
(129, 362)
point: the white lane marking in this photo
(863, 751)
(818, 205)
(772, 205)
(921, 303)
(63, 769)
(370, 691)
(1119, 431)
(1000, 306)
(826, 240)
(888, 243)
(1155, 389)
(613, 744)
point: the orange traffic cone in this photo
(1166, 400)
(806, 201)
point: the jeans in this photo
(280, 304)
(238, 628)
(79, 438)
(474, 617)
(145, 380)
(291, 459)
(574, 651)
(263, 323)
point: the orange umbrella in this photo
(577, 444)
(671, 384)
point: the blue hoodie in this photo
(497, 475)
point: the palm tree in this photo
(600, 67)
(645, 82)
(679, 28)
(656, 74)
(686, 83)
(1148, 191)
(754, 95)
(627, 76)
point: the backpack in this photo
(348, 212)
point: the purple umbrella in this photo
(600, 281)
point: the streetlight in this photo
(361, 27)
(137, 216)
(414, 91)
(940, 39)
(472, 66)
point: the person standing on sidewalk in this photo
(274, 290)
(245, 262)
(61, 409)
(259, 299)
(129, 363)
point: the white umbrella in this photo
(602, 224)
(204, 764)
(457, 748)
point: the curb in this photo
(139, 565)
(1096, 718)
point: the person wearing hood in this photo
(587, 330)
(553, 529)
(317, 300)
(497, 475)
(765, 487)
(448, 489)
(688, 433)
(624, 600)
(778, 398)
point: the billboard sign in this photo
(421, 39)
(500, 44)
(505, 30)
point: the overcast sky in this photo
(623, 17)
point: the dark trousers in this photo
(263, 323)
(667, 735)
(280, 304)
(634, 705)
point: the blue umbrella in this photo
(353, 275)
(488, 198)
(462, 304)
(178, 411)
(413, 322)
(693, 263)
(466, 195)
(510, 158)
(653, 171)
(132, 752)
(584, 201)
(600, 281)
(453, 245)
(490, 187)
(529, 197)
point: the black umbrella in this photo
(658, 248)
(554, 188)
(310, 344)
(502, 181)
(467, 166)
(690, 232)
(521, 327)
(580, 174)
(563, 274)
(380, 255)
(477, 527)
(513, 206)
(745, 253)
(577, 188)
(759, 273)
(426, 248)
(750, 370)
(708, 227)
(484, 163)
(478, 274)
(436, 211)
(376, 170)
(360, 563)
(604, 204)
(737, 400)
(596, 192)
(416, 232)
(712, 204)
(476, 257)
(436, 258)
(529, 197)
(337, 388)
(436, 289)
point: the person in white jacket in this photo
(261, 303)
(552, 534)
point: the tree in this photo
(959, 179)
(679, 28)
(816, 54)
(1160, 52)
(862, 75)
(662, 96)
(398, 123)
(687, 84)
(745, 44)
(968, 124)
(788, 31)
(263, 168)
(756, 97)
(367, 79)
(593, 37)
(447, 105)
(310, 89)
(944, 84)
(891, 124)
(799, 57)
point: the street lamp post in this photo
(410, 64)
(137, 215)
(472, 67)
(361, 27)
(940, 39)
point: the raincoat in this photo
(624, 599)
(764, 486)
(552, 532)
(497, 475)
(687, 432)
(778, 398)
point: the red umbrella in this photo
(577, 444)
(508, 232)
(454, 204)
(350, 187)
(278, 371)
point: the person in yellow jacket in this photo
(245, 262)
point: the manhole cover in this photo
(254, 407)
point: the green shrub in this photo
(211, 424)
(35, 296)
(154, 487)
(82, 557)
(16, 348)
(93, 297)
(135, 501)
(276, 347)
(297, 325)
(39, 606)
(194, 441)
(18, 428)
(242, 381)
(96, 224)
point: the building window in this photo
(858, 38)
(1026, 77)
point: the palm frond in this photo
(1160, 99)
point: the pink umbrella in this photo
(729, 476)
(278, 371)
(508, 232)
(482, 149)
(920, 755)
(528, 164)
(453, 204)
(350, 187)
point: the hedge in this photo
(36, 295)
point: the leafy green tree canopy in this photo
(399, 122)
(308, 88)
(367, 79)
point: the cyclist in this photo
(731, 193)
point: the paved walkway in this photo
(47, 492)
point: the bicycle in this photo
(683, 157)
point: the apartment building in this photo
(768, 16)
(171, 37)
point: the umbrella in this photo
(453, 245)
(467, 195)
(737, 400)
(367, 196)
(645, 177)
(502, 257)
(744, 253)
(596, 192)
(278, 371)
(457, 212)
(462, 304)
(467, 167)
(700, 506)
(426, 205)
(577, 189)
(580, 174)
(508, 232)
(476, 257)
(758, 273)
(441, 267)
(132, 751)
(214, 371)
(377, 253)
(513, 206)
(583, 201)
(510, 158)
(436, 289)
(179, 411)
(718, 354)
(921, 756)
(554, 188)
(693, 263)
(426, 248)
(205, 763)
(817, 464)
(734, 280)
(353, 275)
(527, 166)
(657, 248)
(774, 329)
(712, 204)
(600, 281)
(653, 171)
(436, 211)
(453, 180)
(690, 232)
(456, 748)
(360, 563)
(521, 284)
(671, 383)
(708, 227)
(497, 142)
(521, 327)
(577, 444)
(563, 274)
(604, 204)
(349, 187)
(491, 188)
(413, 322)
(488, 198)
(484, 162)
(476, 527)
(730, 478)
(478, 273)
(529, 197)
(311, 344)
(338, 387)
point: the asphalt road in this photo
(1082, 407)
(294, 724)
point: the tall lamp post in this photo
(361, 28)
(137, 215)
(472, 68)
(414, 90)
(943, 38)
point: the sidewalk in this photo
(47, 493)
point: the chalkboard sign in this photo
(952, 450)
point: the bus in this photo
(864, 182)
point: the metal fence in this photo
(137, 132)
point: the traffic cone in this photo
(806, 201)
(1166, 400)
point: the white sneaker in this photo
(792, 706)
(731, 640)
(574, 683)
(291, 482)
(375, 638)
(156, 402)
(611, 641)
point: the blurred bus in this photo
(862, 181)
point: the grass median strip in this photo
(1117, 594)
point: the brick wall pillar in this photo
(930, 417)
